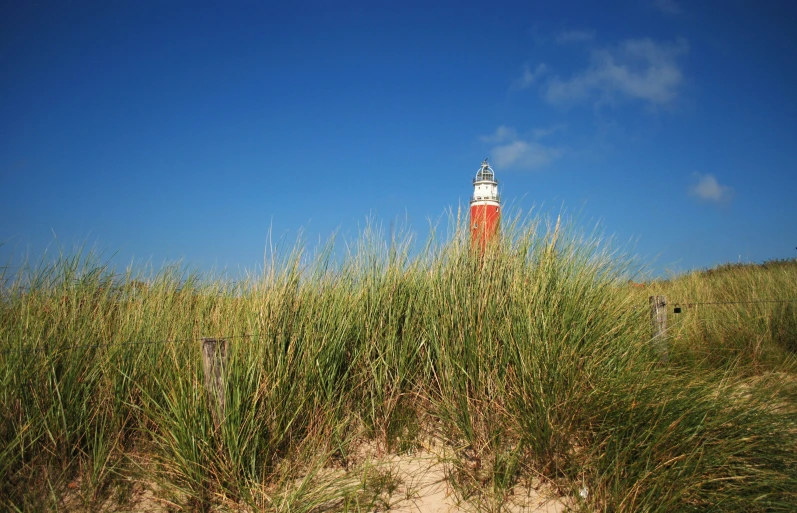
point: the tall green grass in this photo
(739, 317)
(530, 360)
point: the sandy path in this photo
(424, 488)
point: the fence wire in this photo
(750, 302)
(96, 345)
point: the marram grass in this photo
(529, 361)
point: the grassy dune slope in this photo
(530, 363)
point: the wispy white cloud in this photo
(640, 69)
(529, 77)
(511, 151)
(574, 36)
(539, 133)
(502, 133)
(667, 6)
(524, 155)
(707, 188)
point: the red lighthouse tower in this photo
(485, 207)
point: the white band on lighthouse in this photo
(491, 203)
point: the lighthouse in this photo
(485, 207)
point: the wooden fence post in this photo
(658, 321)
(214, 363)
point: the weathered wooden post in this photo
(214, 363)
(658, 321)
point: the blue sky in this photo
(168, 130)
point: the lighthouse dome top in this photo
(485, 174)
